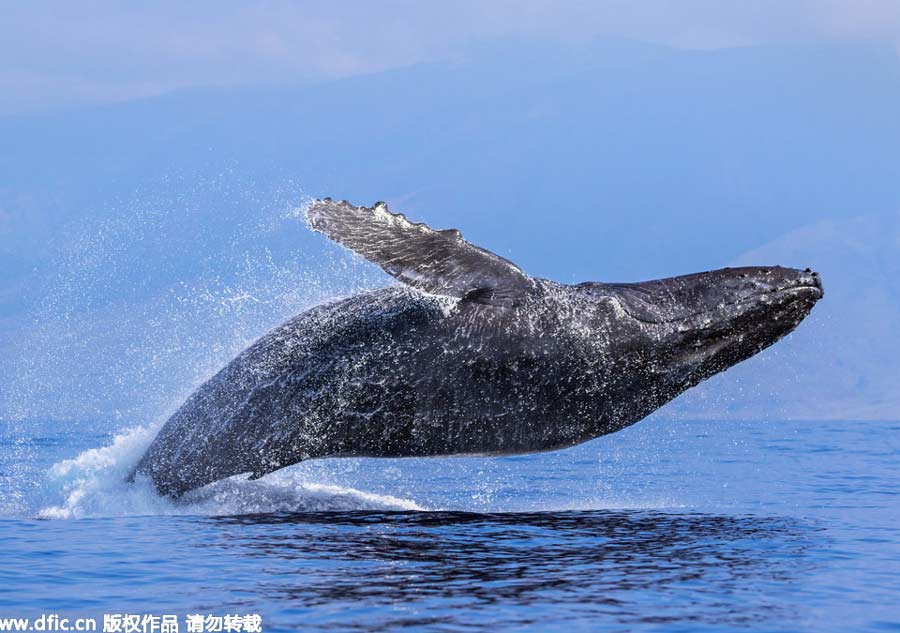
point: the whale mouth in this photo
(640, 305)
(806, 291)
(810, 291)
(711, 340)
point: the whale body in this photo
(468, 356)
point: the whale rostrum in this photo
(468, 356)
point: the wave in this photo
(93, 485)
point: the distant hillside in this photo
(141, 243)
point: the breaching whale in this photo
(469, 356)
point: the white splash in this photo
(94, 485)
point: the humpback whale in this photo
(469, 355)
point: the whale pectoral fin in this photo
(440, 262)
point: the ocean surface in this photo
(665, 526)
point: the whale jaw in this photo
(697, 325)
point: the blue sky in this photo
(59, 54)
(154, 156)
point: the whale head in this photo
(684, 329)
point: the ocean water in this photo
(665, 526)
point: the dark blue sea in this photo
(665, 526)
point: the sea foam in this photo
(94, 485)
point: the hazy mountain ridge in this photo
(615, 161)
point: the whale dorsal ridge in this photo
(439, 262)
